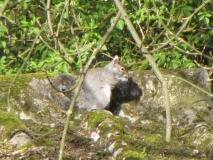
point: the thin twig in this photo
(20, 56)
(11, 22)
(49, 20)
(193, 85)
(54, 87)
(13, 5)
(181, 50)
(62, 14)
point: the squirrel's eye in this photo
(122, 69)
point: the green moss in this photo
(102, 119)
(156, 141)
(71, 128)
(131, 155)
(205, 143)
(154, 138)
(203, 116)
(44, 141)
(34, 157)
(149, 136)
(26, 146)
(10, 123)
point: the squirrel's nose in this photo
(126, 75)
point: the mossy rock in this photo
(96, 118)
(10, 123)
(131, 155)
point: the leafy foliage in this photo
(72, 29)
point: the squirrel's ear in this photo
(116, 60)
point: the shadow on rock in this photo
(124, 92)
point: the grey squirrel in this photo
(97, 86)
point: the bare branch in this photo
(49, 18)
(14, 4)
(4, 7)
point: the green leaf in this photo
(175, 63)
(184, 46)
(120, 24)
(104, 48)
(65, 68)
(201, 17)
(206, 36)
(206, 20)
(6, 51)
(200, 13)
(33, 64)
(40, 64)
(3, 28)
(25, 5)
(3, 43)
